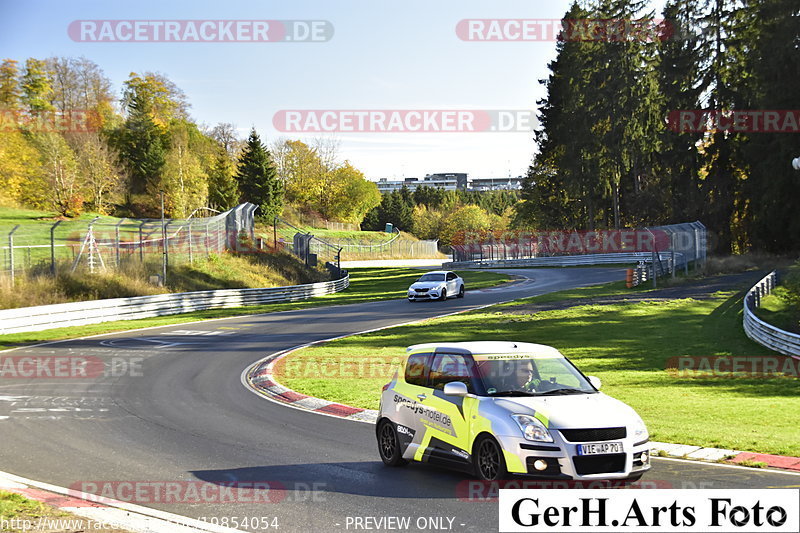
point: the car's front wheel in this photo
(388, 445)
(488, 460)
(443, 296)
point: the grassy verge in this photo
(627, 346)
(782, 307)
(778, 312)
(23, 515)
(366, 284)
(216, 271)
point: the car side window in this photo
(450, 367)
(451, 276)
(417, 369)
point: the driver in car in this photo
(524, 376)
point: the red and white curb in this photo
(103, 511)
(259, 378)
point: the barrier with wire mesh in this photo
(105, 243)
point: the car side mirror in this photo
(595, 381)
(455, 388)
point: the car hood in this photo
(576, 411)
(426, 284)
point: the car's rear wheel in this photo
(461, 292)
(443, 296)
(388, 445)
(488, 460)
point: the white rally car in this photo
(498, 408)
(437, 285)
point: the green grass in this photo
(217, 271)
(23, 515)
(775, 310)
(627, 347)
(13, 505)
(366, 284)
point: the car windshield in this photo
(432, 277)
(534, 376)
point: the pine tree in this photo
(773, 60)
(257, 178)
(10, 94)
(680, 86)
(223, 190)
(36, 86)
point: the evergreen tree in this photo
(10, 94)
(36, 86)
(257, 178)
(223, 191)
(773, 61)
(680, 86)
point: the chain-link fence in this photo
(346, 248)
(682, 243)
(104, 243)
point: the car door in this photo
(452, 283)
(410, 395)
(447, 437)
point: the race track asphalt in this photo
(183, 414)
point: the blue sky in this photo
(383, 55)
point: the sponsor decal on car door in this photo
(447, 437)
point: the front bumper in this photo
(430, 295)
(563, 462)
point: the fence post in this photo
(116, 239)
(696, 249)
(11, 251)
(672, 249)
(141, 243)
(53, 248)
(191, 258)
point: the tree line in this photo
(436, 213)
(67, 144)
(606, 157)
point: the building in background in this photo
(496, 184)
(451, 181)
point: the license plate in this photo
(600, 448)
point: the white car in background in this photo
(436, 285)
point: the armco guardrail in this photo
(94, 312)
(765, 334)
(562, 260)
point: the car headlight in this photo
(532, 428)
(639, 429)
